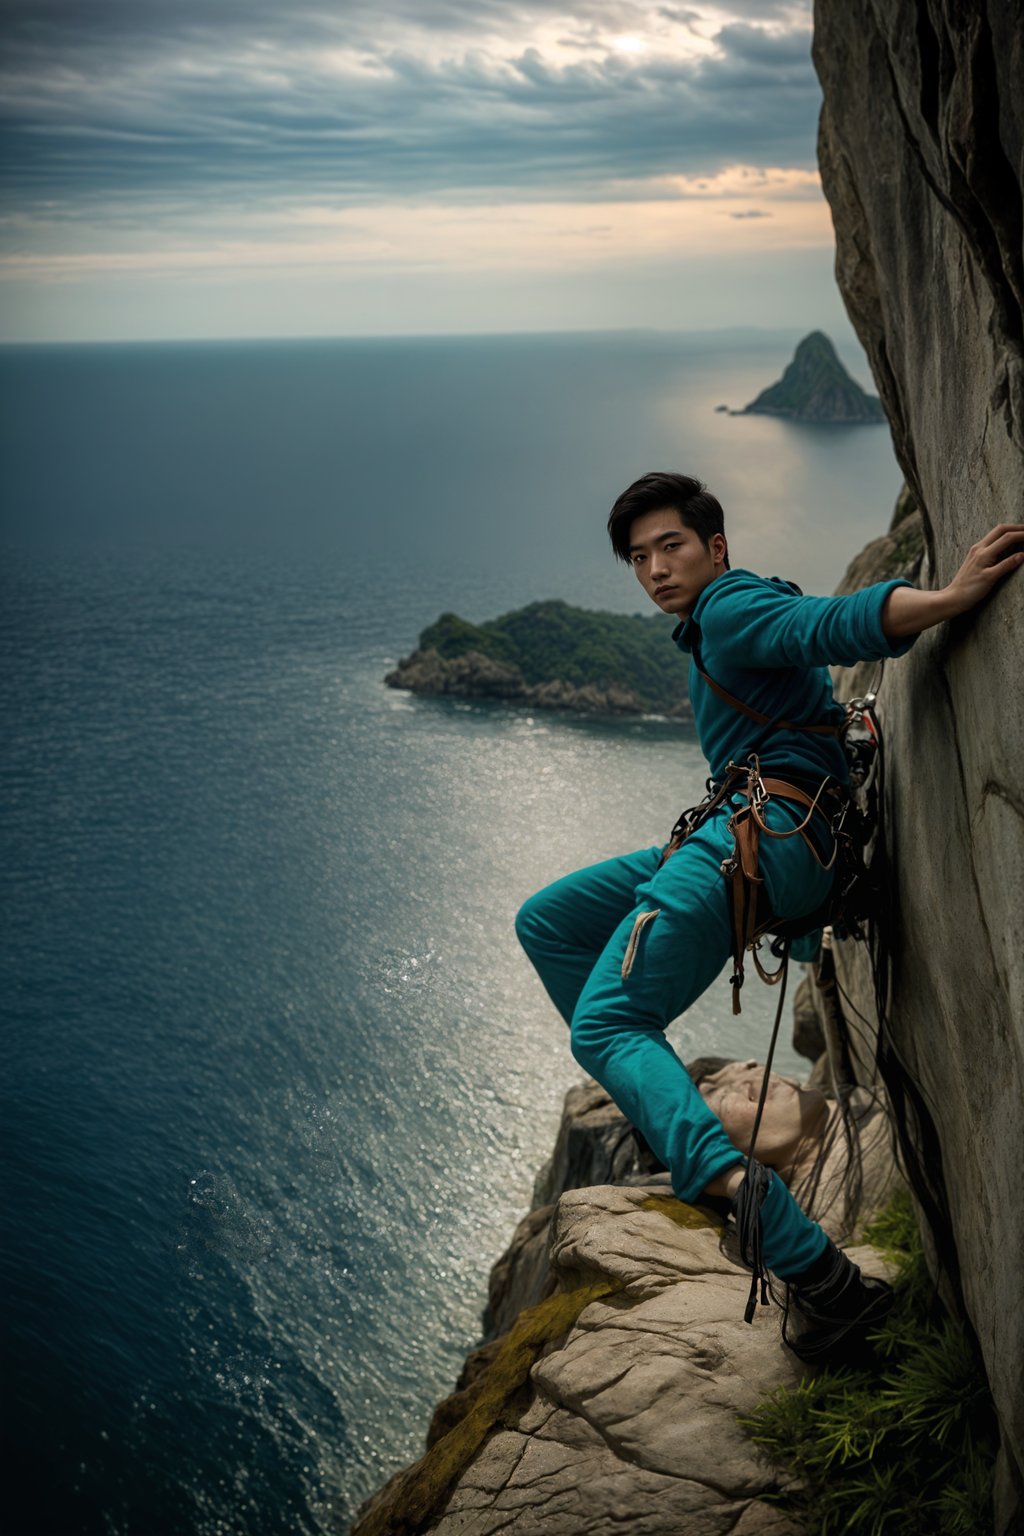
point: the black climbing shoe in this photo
(834, 1308)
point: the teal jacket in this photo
(767, 644)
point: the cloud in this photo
(665, 219)
(186, 103)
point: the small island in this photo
(817, 388)
(549, 655)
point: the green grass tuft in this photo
(907, 1448)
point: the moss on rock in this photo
(410, 1499)
(676, 1210)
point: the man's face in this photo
(671, 563)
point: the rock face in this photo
(817, 388)
(474, 676)
(630, 1422)
(608, 1399)
(921, 144)
(595, 1145)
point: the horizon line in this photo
(359, 336)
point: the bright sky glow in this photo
(154, 150)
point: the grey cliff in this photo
(921, 144)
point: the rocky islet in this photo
(817, 389)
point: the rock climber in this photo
(625, 946)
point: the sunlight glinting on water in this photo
(284, 1079)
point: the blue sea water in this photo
(277, 1080)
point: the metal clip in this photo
(756, 792)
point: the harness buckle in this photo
(755, 790)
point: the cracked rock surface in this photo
(630, 1423)
(921, 150)
(621, 1412)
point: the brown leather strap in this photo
(788, 791)
(756, 715)
(739, 923)
(742, 872)
(747, 835)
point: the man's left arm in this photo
(908, 611)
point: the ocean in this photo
(277, 1080)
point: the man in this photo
(627, 945)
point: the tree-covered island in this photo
(553, 656)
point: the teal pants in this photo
(577, 932)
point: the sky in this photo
(237, 168)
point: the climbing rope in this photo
(756, 1177)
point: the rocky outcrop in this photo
(921, 144)
(627, 1419)
(595, 1145)
(899, 552)
(808, 1032)
(817, 388)
(475, 676)
(610, 1395)
(470, 676)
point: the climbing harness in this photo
(846, 814)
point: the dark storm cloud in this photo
(210, 99)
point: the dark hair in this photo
(696, 506)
